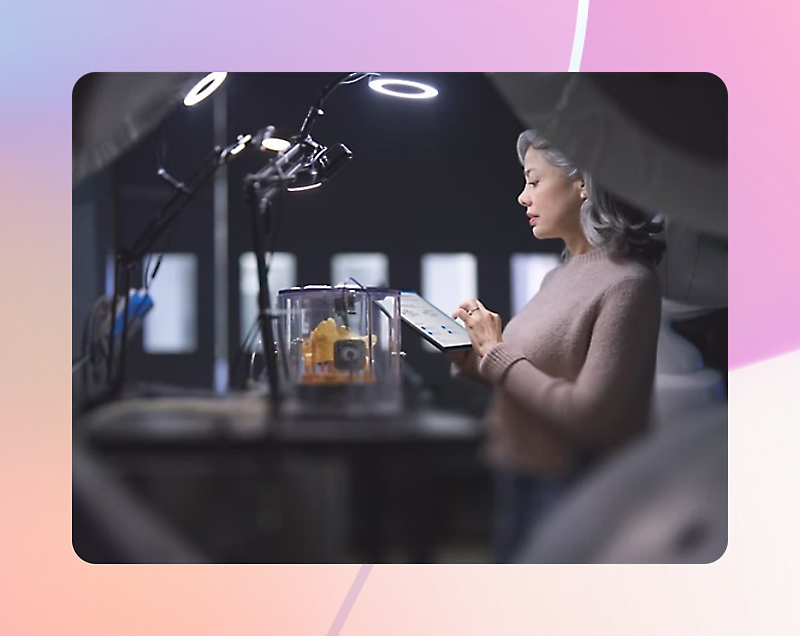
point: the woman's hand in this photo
(485, 327)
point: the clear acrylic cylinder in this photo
(339, 350)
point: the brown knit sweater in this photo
(576, 366)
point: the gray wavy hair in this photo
(607, 221)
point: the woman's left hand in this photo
(485, 327)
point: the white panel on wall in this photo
(282, 274)
(448, 280)
(527, 273)
(369, 269)
(171, 326)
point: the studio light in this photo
(204, 88)
(276, 144)
(243, 141)
(389, 87)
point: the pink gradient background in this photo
(46, 589)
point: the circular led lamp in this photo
(302, 188)
(388, 87)
(276, 144)
(204, 88)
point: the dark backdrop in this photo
(437, 175)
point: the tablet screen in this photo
(432, 323)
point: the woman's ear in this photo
(582, 188)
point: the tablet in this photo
(432, 323)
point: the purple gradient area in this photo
(753, 49)
(47, 46)
(396, 35)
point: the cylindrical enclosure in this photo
(339, 350)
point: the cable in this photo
(355, 281)
(167, 239)
(253, 332)
(249, 340)
(147, 278)
(93, 364)
(358, 77)
(161, 164)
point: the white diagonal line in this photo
(580, 35)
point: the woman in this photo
(573, 371)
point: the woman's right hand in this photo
(461, 357)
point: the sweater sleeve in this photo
(618, 371)
(469, 370)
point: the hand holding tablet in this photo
(432, 323)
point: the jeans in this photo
(522, 501)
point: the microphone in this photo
(285, 166)
(331, 160)
(304, 156)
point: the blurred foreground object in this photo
(110, 524)
(664, 500)
(112, 111)
(658, 140)
(684, 383)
